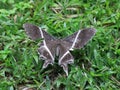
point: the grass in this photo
(97, 65)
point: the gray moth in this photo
(50, 46)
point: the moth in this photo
(51, 47)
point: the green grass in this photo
(97, 65)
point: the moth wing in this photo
(47, 55)
(65, 57)
(80, 38)
(74, 41)
(34, 32)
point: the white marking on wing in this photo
(75, 40)
(63, 57)
(71, 60)
(45, 44)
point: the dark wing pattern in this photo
(80, 38)
(34, 32)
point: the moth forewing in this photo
(84, 36)
(32, 31)
(80, 38)
(75, 40)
